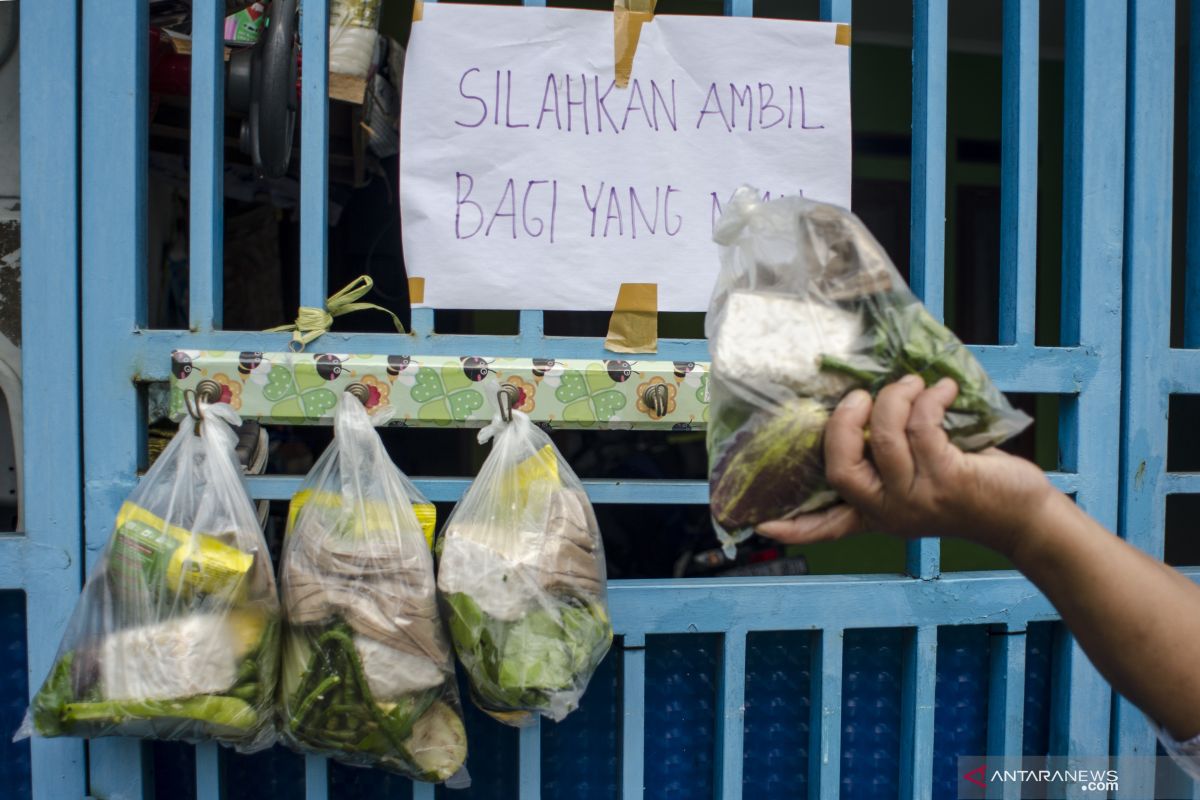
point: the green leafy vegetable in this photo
(523, 663)
(69, 702)
(772, 464)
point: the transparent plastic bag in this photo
(175, 635)
(808, 307)
(368, 676)
(521, 575)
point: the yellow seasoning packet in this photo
(148, 552)
(376, 513)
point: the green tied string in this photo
(311, 322)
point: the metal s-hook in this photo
(360, 392)
(656, 397)
(206, 391)
(507, 397)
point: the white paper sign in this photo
(528, 180)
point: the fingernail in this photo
(944, 382)
(912, 380)
(855, 399)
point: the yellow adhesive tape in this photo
(841, 36)
(416, 290)
(418, 10)
(633, 326)
(628, 18)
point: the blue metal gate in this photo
(738, 641)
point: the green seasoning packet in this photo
(147, 552)
(245, 26)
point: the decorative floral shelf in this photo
(431, 391)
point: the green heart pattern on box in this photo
(430, 391)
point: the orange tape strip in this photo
(841, 36)
(416, 290)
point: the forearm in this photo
(1136, 618)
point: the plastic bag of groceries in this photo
(175, 635)
(367, 674)
(808, 307)
(521, 576)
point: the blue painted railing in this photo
(84, 162)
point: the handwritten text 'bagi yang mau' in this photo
(586, 104)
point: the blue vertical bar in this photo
(927, 263)
(535, 3)
(53, 514)
(208, 772)
(1093, 225)
(1147, 320)
(1018, 173)
(835, 10)
(532, 329)
(927, 267)
(423, 791)
(529, 770)
(825, 745)
(206, 224)
(114, 163)
(916, 715)
(1006, 703)
(316, 778)
(314, 154)
(731, 714)
(1191, 306)
(422, 322)
(739, 8)
(206, 234)
(633, 716)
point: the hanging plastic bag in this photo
(808, 307)
(368, 676)
(521, 575)
(175, 635)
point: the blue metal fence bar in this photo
(825, 726)
(1147, 326)
(1041, 370)
(1018, 173)
(316, 778)
(1181, 483)
(314, 154)
(1146, 336)
(1182, 371)
(45, 561)
(529, 761)
(633, 716)
(836, 10)
(208, 772)
(617, 490)
(206, 232)
(1093, 217)
(917, 696)
(731, 714)
(314, 222)
(1191, 304)
(927, 262)
(206, 228)
(1006, 698)
(739, 8)
(928, 251)
(837, 602)
(114, 164)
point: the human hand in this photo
(916, 483)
